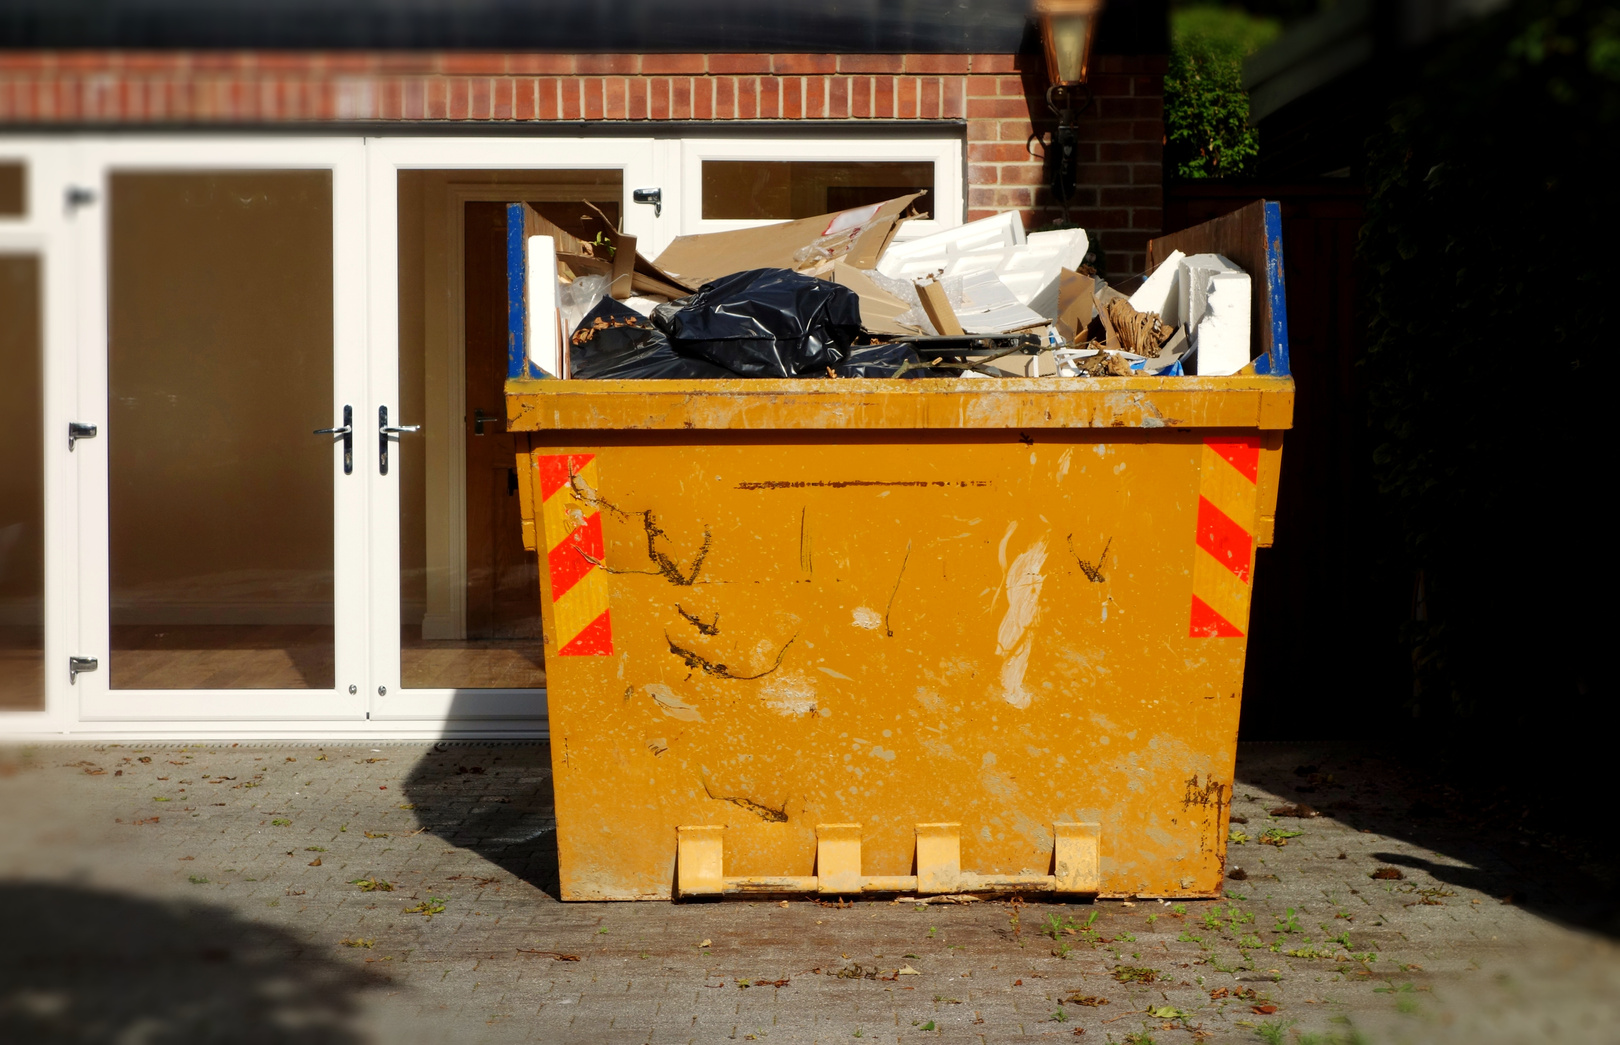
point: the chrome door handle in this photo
(384, 430)
(347, 432)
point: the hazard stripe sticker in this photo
(575, 549)
(1223, 542)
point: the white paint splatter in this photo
(879, 752)
(789, 695)
(1014, 639)
(835, 674)
(670, 704)
(1064, 461)
(657, 745)
(867, 618)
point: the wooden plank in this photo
(1241, 237)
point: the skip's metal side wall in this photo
(772, 605)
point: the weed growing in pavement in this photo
(372, 885)
(198, 879)
(1288, 923)
(927, 1026)
(1237, 836)
(1179, 910)
(281, 822)
(1272, 1033)
(1140, 1037)
(1059, 1016)
(1278, 836)
(1152, 918)
(1135, 974)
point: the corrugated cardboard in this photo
(858, 235)
(628, 271)
(938, 308)
(880, 310)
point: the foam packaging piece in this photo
(1161, 291)
(1196, 270)
(1029, 267)
(545, 329)
(1221, 339)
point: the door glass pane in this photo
(22, 487)
(469, 590)
(221, 499)
(780, 190)
(13, 189)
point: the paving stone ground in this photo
(198, 893)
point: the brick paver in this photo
(208, 892)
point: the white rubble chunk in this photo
(1000, 230)
(1196, 270)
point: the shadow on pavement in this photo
(494, 799)
(83, 965)
(1503, 841)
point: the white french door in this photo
(222, 533)
(454, 597)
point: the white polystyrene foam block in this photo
(1071, 244)
(1160, 291)
(1000, 230)
(1222, 337)
(1196, 270)
(545, 333)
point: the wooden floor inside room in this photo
(216, 656)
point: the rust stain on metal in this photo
(703, 626)
(888, 629)
(841, 484)
(759, 809)
(1093, 572)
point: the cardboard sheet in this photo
(858, 236)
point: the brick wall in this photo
(1000, 97)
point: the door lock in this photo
(652, 196)
(79, 430)
(347, 432)
(78, 665)
(384, 430)
(480, 419)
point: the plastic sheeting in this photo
(615, 341)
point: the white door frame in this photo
(286, 712)
(519, 710)
(44, 231)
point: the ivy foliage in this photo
(1206, 110)
(1490, 253)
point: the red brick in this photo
(928, 98)
(570, 103)
(725, 97)
(525, 98)
(673, 64)
(541, 64)
(983, 174)
(905, 97)
(860, 97)
(393, 100)
(792, 98)
(981, 197)
(838, 97)
(739, 63)
(953, 100)
(592, 105)
(981, 108)
(980, 214)
(635, 99)
(870, 63)
(803, 64)
(1023, 174)
(937, 63)
(983, 86)
(883, 97)
(1151, 218)
(437, 98)
(770, 98)
(613, 100)
(1147, 173)
(459, 91)
(548, 106)
(1102, 174)
(996, 152)
(478, 97)
(747, 97)
(465, 63)
(680, 98)
(1014, 130)
(658, 98)
(1101, 218)
(815, 97)
(607, 64)
(1129, 152)
(702, 98)
(993, 63)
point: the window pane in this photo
(469, 590)
(13, 189)
(221, 500)
(22, 488)
(785, 189)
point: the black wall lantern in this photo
(1067, 30)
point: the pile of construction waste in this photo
(852, 295)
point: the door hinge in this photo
(79, 664)
(78, 196)
(79, 430)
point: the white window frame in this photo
(944, 153)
